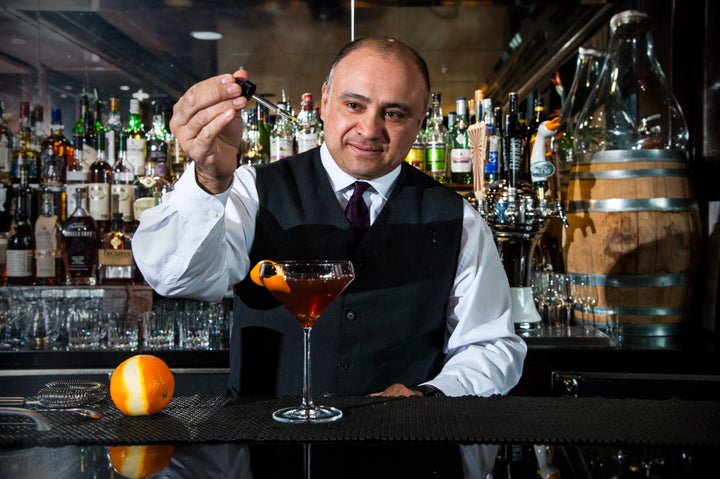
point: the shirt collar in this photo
(340, 180)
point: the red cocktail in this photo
(306, 289)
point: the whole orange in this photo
(138, 462)
(142, 385)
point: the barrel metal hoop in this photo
(624, 156)
(637, 280)
(644, 311)
(628, 174)
(623, 205)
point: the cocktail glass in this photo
(306, 289)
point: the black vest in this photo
(389, 324)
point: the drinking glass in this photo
(306, 289)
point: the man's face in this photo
(372, 111)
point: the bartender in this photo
(429, 310)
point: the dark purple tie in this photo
(356, 210)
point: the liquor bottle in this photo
(55, 150)
(6, 143)
(19, 257)
(513, 147)
(416, 155)
(80, 241)
(494, 131)
(98, 125)
(253, 153)
(99, 184)
(460, 152)
(176, 158)
(435, 142)
(587, 70)
(113, 128)
(538, 117)
(632, 106)
(156, 138)
(85, 127)
(76, 175)
(282, 136)
(48, 244)
(23, 153)
(263, 130)
(39, 133)
(115, 259)
(149, 188)
(308, 133)
(136, 145)
(122, 185)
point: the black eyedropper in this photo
(248, 91)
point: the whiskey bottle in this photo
(435, 142)
(308, 132)
(99, 184)
(19, 257)
(136, 144)
(122, 184)
(460, 153)
(80, 241)
(48, 241)
(115, 259)
(76, 174)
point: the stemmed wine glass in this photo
(306, 289)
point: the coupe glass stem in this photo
(307, 402)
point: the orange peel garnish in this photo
(269, 274)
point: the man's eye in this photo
(393, 115)
(353, 106)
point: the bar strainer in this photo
(66, 393)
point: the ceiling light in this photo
(206, 35)
(124, 88)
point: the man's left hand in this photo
(398, 390)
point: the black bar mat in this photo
(510, 419)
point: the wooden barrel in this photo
(634, 237)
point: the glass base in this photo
(307, 414)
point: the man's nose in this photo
(371, 125)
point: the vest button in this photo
(343, 365)
(350, 315)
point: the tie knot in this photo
(360, 187)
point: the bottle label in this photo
(3, 247)
(99, 201)
(436, 159)
(19, 263)
(45, 263)
(136, 155)
(460, 160)
(89, 155)
(125, 196)
(416, 157)
(70, 201)
(5, 158)
(306, 141)
(514, 154)
(113, 257)
(280, 148)
(142, 204)
(80, 256)
(491, 166)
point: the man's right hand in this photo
(207, 123)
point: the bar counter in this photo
(385, 427)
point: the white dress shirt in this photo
(196, 245)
